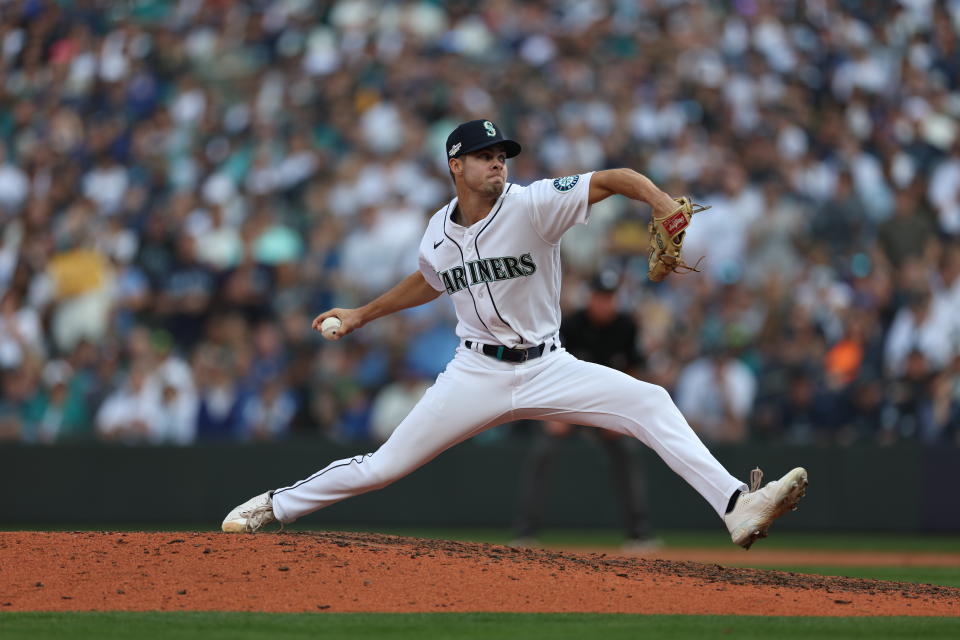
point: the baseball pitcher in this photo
(495, 251)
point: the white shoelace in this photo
(259, 516)
(756, 477)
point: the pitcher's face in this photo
(483, 171)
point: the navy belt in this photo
(501, 352)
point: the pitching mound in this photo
(370, 572)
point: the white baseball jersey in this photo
(503, 272)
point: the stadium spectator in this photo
(716, 393)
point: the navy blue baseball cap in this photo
(475, 135)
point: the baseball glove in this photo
(666, 240)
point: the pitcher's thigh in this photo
(442, 419)
(591, 394)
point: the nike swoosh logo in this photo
(437, 244)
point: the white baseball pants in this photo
(477, 392)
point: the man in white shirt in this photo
(716, 393)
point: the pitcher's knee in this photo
(379, 476)
(650, 396)
(661, 394)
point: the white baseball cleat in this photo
(756, 510)
(250, 516)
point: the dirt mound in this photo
(336, 571)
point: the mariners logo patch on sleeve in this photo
(565, 184)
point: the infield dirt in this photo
(334, 571)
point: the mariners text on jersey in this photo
(487, 270)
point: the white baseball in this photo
(329, 328)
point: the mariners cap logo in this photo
(491, 130)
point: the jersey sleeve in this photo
(429, 274)
(558, 204)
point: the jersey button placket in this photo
(468, 253)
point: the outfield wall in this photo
(903, 488)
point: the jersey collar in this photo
(452, 209)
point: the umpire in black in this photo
(603, 334)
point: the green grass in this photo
(257, 626)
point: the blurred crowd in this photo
(185, 184)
